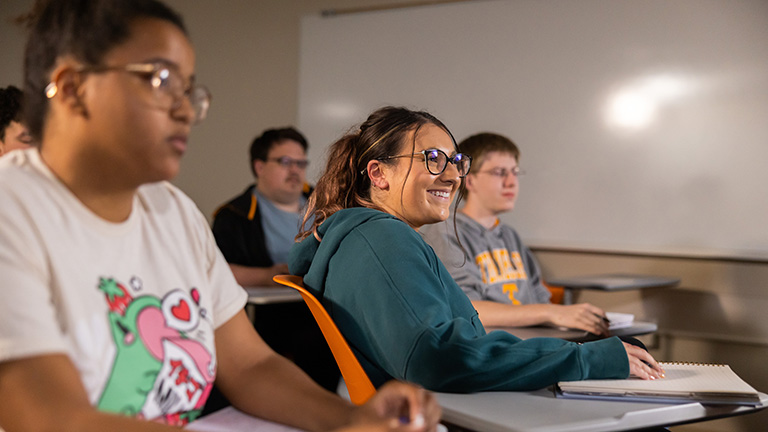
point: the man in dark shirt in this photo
(255, 231)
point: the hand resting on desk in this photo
(405, 408)
(582, 316)
(642, 364)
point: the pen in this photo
(605, 318)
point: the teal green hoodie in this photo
(405, 317)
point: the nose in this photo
(450, 174)
(294, 169)
(510, 179)
(182, 110)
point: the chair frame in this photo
(358, 384)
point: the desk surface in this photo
(269, 295)
(614, 282)
(231, 420)
(636, 329)
(541, 411)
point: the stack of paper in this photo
(619, 320)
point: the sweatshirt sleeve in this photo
(402, 312)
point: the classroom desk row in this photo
(536, 411)
(272, 295)
(512, 411)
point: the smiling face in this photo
(418, 197)
(124, 128)
(488, 192)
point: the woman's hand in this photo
(642, 364)
(583, 316)
(398, 406)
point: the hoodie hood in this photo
(310, 257)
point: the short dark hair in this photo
(479, 145)
(84, 29)
(263, 143)
(10, 107)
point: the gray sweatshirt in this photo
(498, 266)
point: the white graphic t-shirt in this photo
(133, 304)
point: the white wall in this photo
(641, 123)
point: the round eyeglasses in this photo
(168, 86)
(436, 161)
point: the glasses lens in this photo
(462, 163)
(287, 162)
(161, 78)
(200, 98)
(436, 161)
(166, 87)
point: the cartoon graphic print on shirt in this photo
(161, 370)
(497, 266)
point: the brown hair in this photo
(345, 183)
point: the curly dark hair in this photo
(10, 107)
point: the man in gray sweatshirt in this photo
(499, 273)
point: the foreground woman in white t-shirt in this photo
(115, 297)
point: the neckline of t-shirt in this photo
(266, 201)
(86, 214)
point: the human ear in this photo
(258, 167)
(65, 87)
(469, 183)
(375, 171)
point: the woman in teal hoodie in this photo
(390, 295)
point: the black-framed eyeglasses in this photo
(286, 162)
(168, 86)
(502, 173)
(436, 161)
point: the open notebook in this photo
(684, 382)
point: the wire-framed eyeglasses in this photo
(502, 173)
(436, 161)
(287, 162)
(168, 86)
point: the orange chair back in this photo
(358, 384)
(557, 294)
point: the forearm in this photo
(254, 276)
(277, 390)
(493, 314)
(48, 395)
(263, 384)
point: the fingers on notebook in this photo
(642, 364)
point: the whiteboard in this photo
(643, 125)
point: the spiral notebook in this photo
(683, 382)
